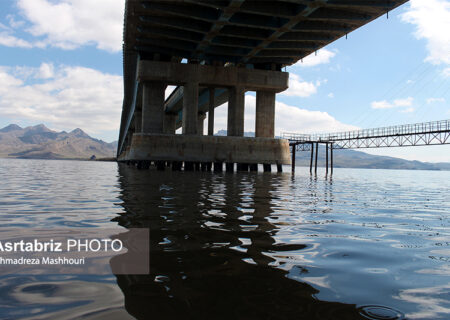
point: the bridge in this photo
(215, 52)
(418, 134)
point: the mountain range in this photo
(39, 142)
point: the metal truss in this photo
(419, 134)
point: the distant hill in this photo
(347, 158)
(39, 142)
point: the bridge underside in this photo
(214, 52)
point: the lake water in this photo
(364, 244)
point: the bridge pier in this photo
(153, 138)
(211, 107)
(236, 101)
(153, 107)
(294, 147)
(170, 123)
(190, 108)
(138, 121)
(201, 123)
(317, 155)
(265, 114)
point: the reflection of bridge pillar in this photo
(190, 108)
(153, 107)
(265, 114)
(201, 123)
(236, 101)
(170, 123)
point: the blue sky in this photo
(61, 65)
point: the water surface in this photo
(364, 244)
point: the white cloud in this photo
(331, 95)
(63, 97)
(446, 72)
(323, 56)
(69, 24)
(287, 119)
(432, 21)
(407, 102)
(13, 22)
(2, 26)
(381, 105)
(403, 102)
(433, 100)
(46, 71)
(408, 110)
(9, 40)
(299, 88)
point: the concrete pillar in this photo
(211, 112)
(170, 123)
(138, 121)
(265, 114)
(218, 166)
(153, 107)
(188, 166)
(243, 167)
(236, 101)
(190, 108)
(201, 123)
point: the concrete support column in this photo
(236, 101)
(265, 114)
(153, 107)
(190, 108)
(170, 123)
(218, 166)
(211, 112)
(137, 121)
(201, 123)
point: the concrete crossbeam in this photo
(213, 76)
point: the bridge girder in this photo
(255, 34)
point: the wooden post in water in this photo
(326, 159)
(312, 156)
(317, 151)
(331, 150)
(293, 157)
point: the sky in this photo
(61, 65)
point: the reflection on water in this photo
(367, 244)
(213, 250)
(268, 246)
